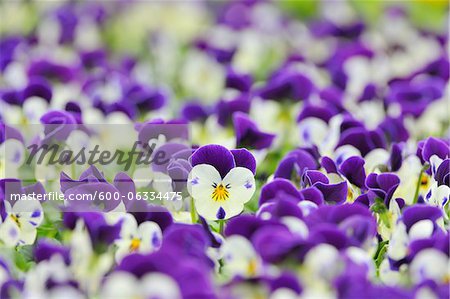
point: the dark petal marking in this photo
(220, 213)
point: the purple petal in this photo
(244, 158)
(216, 155)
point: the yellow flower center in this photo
(16, 219)
(220, 193)
(252, 267)
(424, 182)
(135, 243)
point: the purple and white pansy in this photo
(221, 181)
(226, 150)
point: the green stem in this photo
(221, 224)
(416, 194)
(193, 213)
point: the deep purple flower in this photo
(194, 111)
(58, 125)
(415, 213)
(45, 249)
(434, 146)
(286, 280)
(383, 185)
(369, 93)
(323, 112)
(354, 220)
(325, 28)
(91, 183)
(442, 174)
(287, 85)
(353, 170)
(222, 55)
(248, 135)
(343, 51)
(8, 44)
(394, 129)
(438, 68)
(279, 188)
(68, 21)
(51, 71)
(222, 159)
(93, 58)
(143, 211)
(226, 108)
(100, 232)
(362, 139)
(247, 225)
(280, 207)
(332, 193)
(146, 98)
(37, 87)
(238, 81)
(295, 163)
(171, 130)
(274, 252)
(415, 96)
(396, 159)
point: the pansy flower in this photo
(221, 181)
(20, 217)
(240, 257)
(144, 238)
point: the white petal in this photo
(29, 211)
(129, 227)
(208, 208)
(421, 229)
(151, 236)
(241, 184)
(161, 286)
(65, 292)
(313, 131)
(34, 108)
(14, 152)
(398, 244)
(162, 182)
(120, 285)
(296, 226)
(27, 233)
(375, 157)
(240, 258)
(9, 232)
(307, 207)
(323, 261)
(142, 177)
(429, 264)
(201, 180)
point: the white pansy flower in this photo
(240, 258)
(202, 76)
(9, 232)
(217, 198)
(27, 215)
(144, 238)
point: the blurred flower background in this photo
(308, 142)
